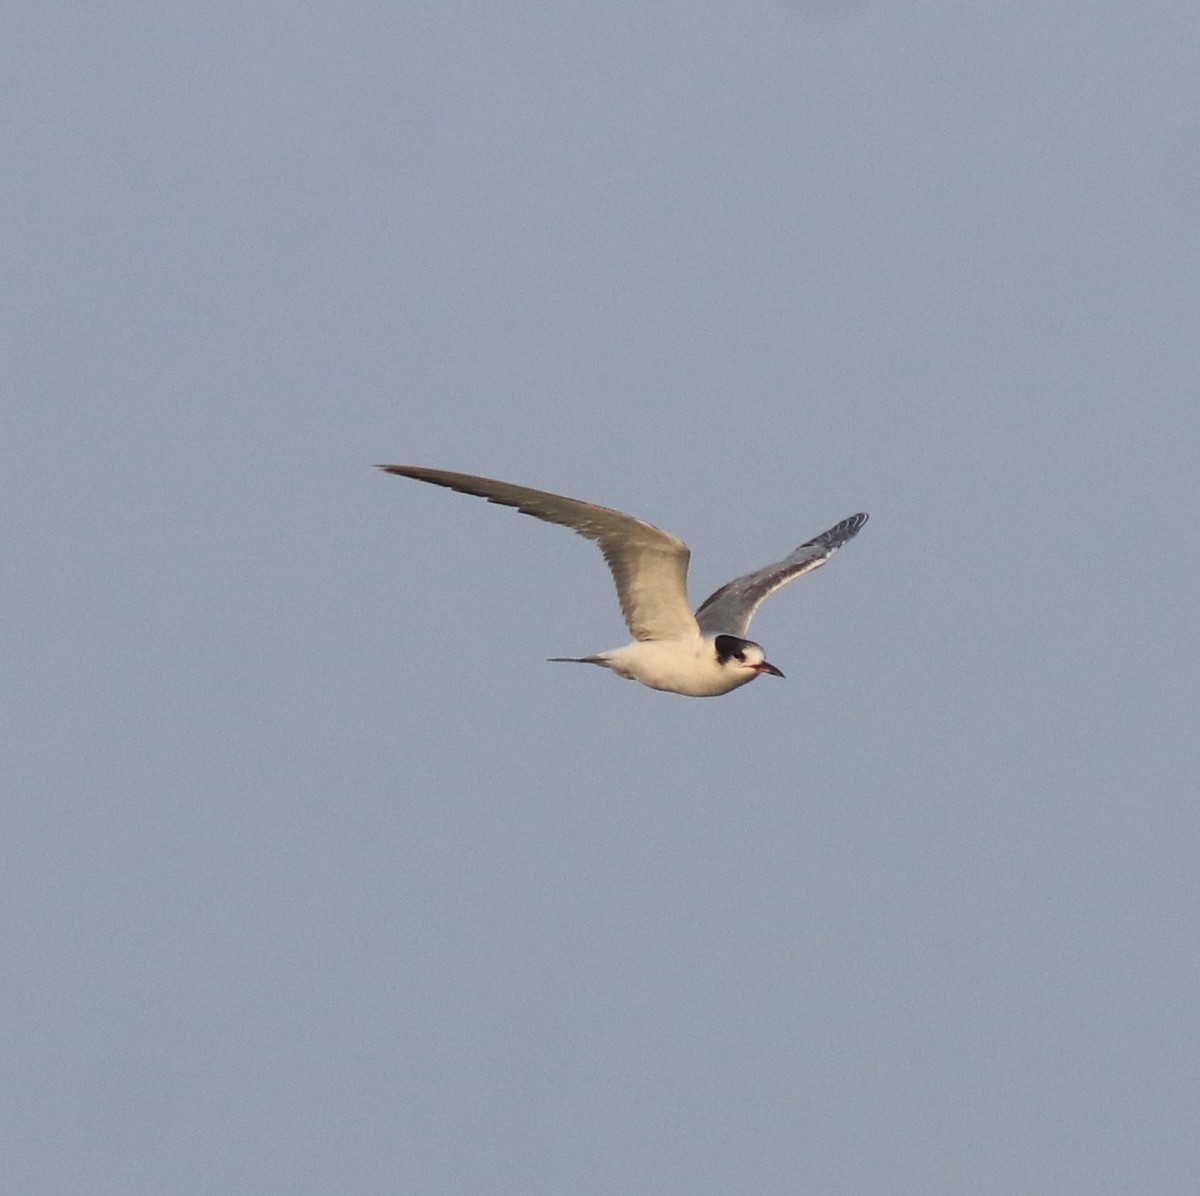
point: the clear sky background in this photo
(317, 878)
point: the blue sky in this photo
(319, 879)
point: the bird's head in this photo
(742, 656)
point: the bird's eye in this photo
(739, 655)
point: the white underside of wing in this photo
(649, 566)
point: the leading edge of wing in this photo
(587, 519)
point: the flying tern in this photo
(701, 654)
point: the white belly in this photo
(679, 666)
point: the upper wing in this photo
(648, 565)
(732, 607)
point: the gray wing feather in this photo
(731, 608)
(648, 565)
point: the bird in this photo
(701, 654)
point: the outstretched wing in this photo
(648, 565)
(732, 607)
